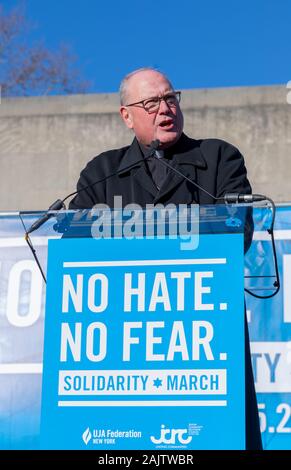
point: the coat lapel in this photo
(133, 163)
(186, 158)
(142, 178)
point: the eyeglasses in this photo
(152, 105)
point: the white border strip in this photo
(278, 235)
(145, 403)
(150, 262)
(29, 368)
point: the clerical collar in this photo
(145, 151)
(160, 153)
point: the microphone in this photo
(60, 203)
(56, 206)
(236, 198)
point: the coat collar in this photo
(133, 162)
(132, 158)
(185, 153)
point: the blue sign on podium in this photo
(144, 345)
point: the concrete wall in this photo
(46, 141)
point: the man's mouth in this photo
(166, 124)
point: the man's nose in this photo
(164, 107)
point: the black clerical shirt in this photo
(157, 170)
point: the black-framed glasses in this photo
(151, 105)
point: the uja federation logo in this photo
(87, 436)
(171, 436)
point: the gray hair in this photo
(123, 89)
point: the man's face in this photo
(165, 123)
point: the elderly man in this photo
(150, 108)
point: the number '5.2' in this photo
(282, 408)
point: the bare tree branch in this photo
(33, 69)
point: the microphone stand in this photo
(32, 249)
(236, 198)
(60, 203)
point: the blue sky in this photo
(197, 43)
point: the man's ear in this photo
(126, 116)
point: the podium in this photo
(144, 330)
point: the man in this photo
(150, 108)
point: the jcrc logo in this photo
(171, 436)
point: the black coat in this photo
(215, 165)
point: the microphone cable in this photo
(271, 233)
(236, 198)
(32, 249)
(60, 203)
